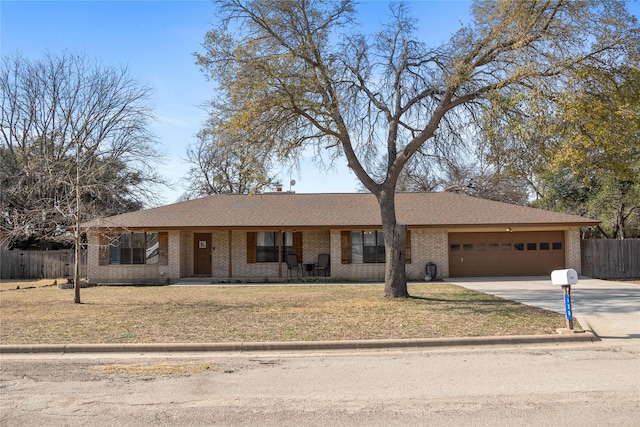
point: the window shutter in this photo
(345, 240)
(251, 247)
(103, 249)
(408, 248)
(163, 248)
(297, 245)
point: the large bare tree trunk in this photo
(395, 238)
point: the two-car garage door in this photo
(506, 254)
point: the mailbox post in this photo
(566, 278)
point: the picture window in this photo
(367, 247)
(267, 245)
(134, 248)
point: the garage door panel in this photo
(505, 254)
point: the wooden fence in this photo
(17, 264)
(611, 259)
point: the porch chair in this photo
(293, 264)
(322, 264)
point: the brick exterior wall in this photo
(220, 254)
(428, 245)
(241, 269)
(93, 271)
(186, 253)
(573, 258)
(315, 242)
(96, 273)
(351, 271)
(171, 272)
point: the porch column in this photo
(230, 246)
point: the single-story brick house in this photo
(247, 236)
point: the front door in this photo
(202, 254)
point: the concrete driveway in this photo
(609, 309)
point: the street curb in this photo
(418, 343)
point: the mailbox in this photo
(564, 277)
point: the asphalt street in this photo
(593, 384)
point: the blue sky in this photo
(156, 41)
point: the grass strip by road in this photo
(204, 314)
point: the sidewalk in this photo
(609, 309)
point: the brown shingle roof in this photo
(334, 211)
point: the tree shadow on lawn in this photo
(462, 301)
(497, 306)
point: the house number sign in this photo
(202, 244)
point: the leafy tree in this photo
(519, 130)
(290, 75)
(578, 146)
(599, 122)
(74, 146)
(613, 202)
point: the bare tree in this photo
(223, 164)
(462, 176)
(75, 146)
(284, 80)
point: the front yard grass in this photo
(200, 314)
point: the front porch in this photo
(249, 256)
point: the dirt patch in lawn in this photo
(11, 284)
(127, 314)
